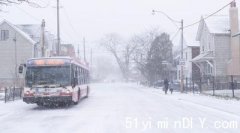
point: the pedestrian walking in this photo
(166, 84)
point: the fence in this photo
(10, 94)
(224, 86)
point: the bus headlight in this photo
(66, 92)
(28, 93)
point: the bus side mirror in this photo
(20, 69)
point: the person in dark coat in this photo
(166, 85)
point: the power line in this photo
(208, 16)
(175, 21)
(64, 34)
(175, 35)
(35, 18)
(69, 21)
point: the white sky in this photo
(94, 18)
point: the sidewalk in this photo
(231, 106)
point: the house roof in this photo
(25, 35)
(218, 24)
(193, 44)
(33, 30)
(203, 57)
(177, 49)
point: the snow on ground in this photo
(125, 108)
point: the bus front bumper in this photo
(53, 99)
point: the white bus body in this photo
(55, 80)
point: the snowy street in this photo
(125, 108)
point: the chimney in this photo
(233, 14)
(234, 64)
(233, 3)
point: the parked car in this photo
(175, 85)
(189, 86)
(158, 84)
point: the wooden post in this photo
(232, 86)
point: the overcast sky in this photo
(94, 18)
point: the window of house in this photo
(186, 56)
(209, 69)
(4, 35)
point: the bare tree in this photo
(7, 2)
(132, 51)
(143, 43)
(33, 3)
(121, 50)
(101, 70)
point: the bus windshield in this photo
(48, 75)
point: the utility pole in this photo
(15, 57)
(91, 60)
(181, 62)
(84, 50)
(43, 38)
(78, 51)
(58, 31)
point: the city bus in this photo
(55, 80)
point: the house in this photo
(17, 44)
(34, 31)
(219, 51)
(190, 70)
(16, 47)
(67, 50)
(214, 38)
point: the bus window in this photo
(78, 71)
(76, 75)
(72, 75)
(84, 77)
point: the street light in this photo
(181, 28)
(171, 19)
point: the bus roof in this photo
(56, 61)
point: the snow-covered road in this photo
(125, 108)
